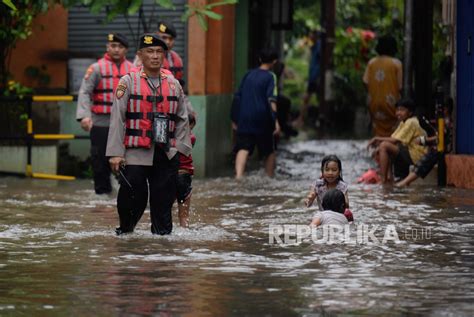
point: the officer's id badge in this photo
(120, 91)
(89, 71)
(148, 40)
(162, 28)
(111, 37)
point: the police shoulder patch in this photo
(120, 91)
(89, 71)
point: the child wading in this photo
(334, 205)
(184, 180)
(331, 178)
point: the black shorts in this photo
(424, 166)
(402, 162)
(184, 188)
(265, 143)
(313, 87)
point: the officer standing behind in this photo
(149, 126)
(173, 61)
(95, 104)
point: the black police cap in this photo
(165, 27)
(151, 39)
(118, 37)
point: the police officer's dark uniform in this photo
(149, 126)
(95, 101)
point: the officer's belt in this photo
(98, 91)
(103, 103)
(111, 76)
(148, 133)
(154, 98)
(149, 115)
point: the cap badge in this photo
(148, 40)
(162, 28)
(111, 37)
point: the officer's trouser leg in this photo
(131, 202)
(162, 192)
(100, 163)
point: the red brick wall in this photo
(211, 54)
(49, 36)
(460, 170)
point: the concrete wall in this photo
(44, 159)
(69, 125)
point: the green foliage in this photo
(38, 74)
(306, 17)
(296, 74)
(17, 89)
(203, 11)
(352, 51)
(9, 4)
(357, 22)
(16, 25)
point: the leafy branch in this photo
(203, 11)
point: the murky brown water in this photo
(59, 255)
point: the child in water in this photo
(334, 205)
(331, 178)
(184, 180)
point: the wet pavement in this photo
(59, 255)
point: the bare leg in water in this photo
(183, 212)
(240, 162)
(386, 150)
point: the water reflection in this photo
(59, 255)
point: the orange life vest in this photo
(109, 78)
(139, 115)
(174, 63)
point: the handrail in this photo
(53, 98)
(30, 136)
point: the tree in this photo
(15, 25)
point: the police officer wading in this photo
(95, 104)
(149, 126)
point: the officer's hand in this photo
(234, 126)
(86, 124)
(115, 163)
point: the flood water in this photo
(59, 254)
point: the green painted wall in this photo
(213, 148)
(241, 41)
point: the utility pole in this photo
(328, 22)
(408, 49)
